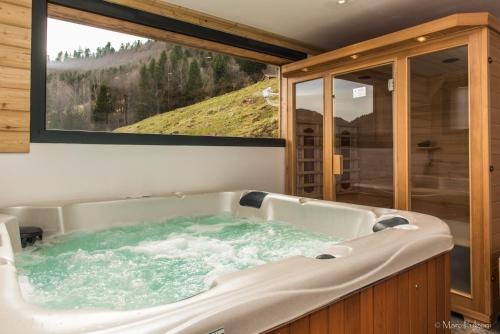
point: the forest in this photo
(106, 89)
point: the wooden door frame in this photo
(290, 155)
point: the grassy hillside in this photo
(240, 113)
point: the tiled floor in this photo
(459, 327)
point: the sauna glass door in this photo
(309, 139)
(439, 149)
(363, 137)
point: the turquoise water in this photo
(154, 263)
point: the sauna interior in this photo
(391, 105)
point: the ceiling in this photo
(326, 24)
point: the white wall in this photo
(52, 172)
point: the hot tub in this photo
(249, 301)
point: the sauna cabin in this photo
(409, 121)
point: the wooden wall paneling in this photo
(282, 330)
(14, 99)
(210, 21)
(431, 297)
(319, 322)
(352, 314)
(22, 3)
(15, 15)
(418, 299)
(14, 141)
(412, 301)
(15, 121)
(368, 311)
(300, 326)
(16, 78)
(392, 310)
(379, 309)
(15, 63)
(404, 302)
(15, 36)
(15, 57)
(336, 317)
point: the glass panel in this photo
(439, 137)
(309, 138)
(103, 80)
(364, 136)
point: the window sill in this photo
(87, 137)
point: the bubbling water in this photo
(154, 263)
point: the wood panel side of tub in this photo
(415, 300)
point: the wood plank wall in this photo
(411, 302)
(494, 81)
(15, 58)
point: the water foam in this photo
(154, 263)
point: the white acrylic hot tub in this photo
(248, 301)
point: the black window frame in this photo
(40, 134)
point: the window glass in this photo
(439, 137)
(309, 138)
(107, 81)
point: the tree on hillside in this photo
(59, 56)
(219, 66)
(108, 49)
(160, 68)
(146, 95)
(176, 55)
(194, 84)
(104, 105)
(252, 68)
(160, 82)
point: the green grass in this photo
(242, 113)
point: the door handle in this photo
(338, 164)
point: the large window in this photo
(100, 80)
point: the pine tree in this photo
(160, 68)
(252, 68)
(104, 105)
(194, 83)
(159, 81)
(146, 97)
(219, 66)
(152, 67)
(176, 55)
(59, 56)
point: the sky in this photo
(67, 36)
(310, 96)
